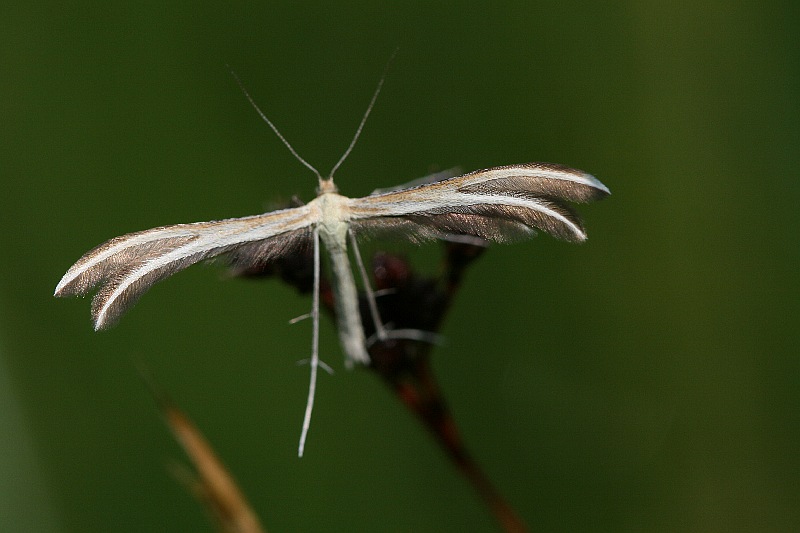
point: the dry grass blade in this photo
(217, 488)
(213, 485)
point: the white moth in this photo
(499, 204)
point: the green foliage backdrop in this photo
(646, 381)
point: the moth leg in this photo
(381, 333)
(418, 335)
(380, 330)
(314, 363)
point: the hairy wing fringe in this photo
(258, 254)
(116, 261)
(536, 180)
(501, 204)
(125, 267)
(109, 304)
(529, 187)
(496, 223)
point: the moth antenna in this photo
(273, 127)
(364, 118)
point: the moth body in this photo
(333, 229)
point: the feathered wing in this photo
(125, 267)
(498, 204)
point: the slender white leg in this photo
(381, 334)
(312, 386)
(380, 331)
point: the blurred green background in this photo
(648, 380)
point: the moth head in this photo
(327, 186)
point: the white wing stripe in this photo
(198, 246)
(274, 223)
(79, 268)
(419, 204)
(147, 268)
(536, 172)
